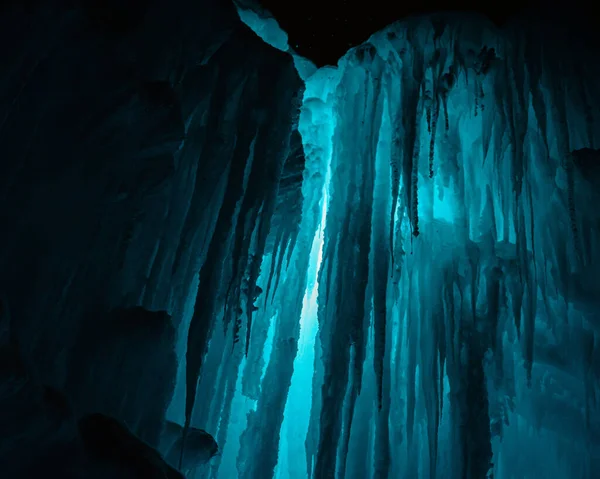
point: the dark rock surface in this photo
(124, 365)
(199, 447)
(113, 451)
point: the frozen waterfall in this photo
(435, 314)
(220, 262)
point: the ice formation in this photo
(266, 27)
(435, 314)
(217, 262)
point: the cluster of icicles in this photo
(448, 276)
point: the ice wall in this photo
(456, 292)
(461, 238)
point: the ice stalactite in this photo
(345, 268)
(256, 158)
(450, 267)
(261, 440)
(284, 228)
(481, 265)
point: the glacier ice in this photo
(435, 314)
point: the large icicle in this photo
(261, 439)
(342, 290)
(271, 133)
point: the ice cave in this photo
(220, 261)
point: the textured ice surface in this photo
(388, 272)
(455, 240)
(266, 28)
(435, 313)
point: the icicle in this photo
(348, 247)
(380, 265)
(481, 96)
(255, 360)
(379, 320)
(279, 268)
(446, 83)
(415, 189)
(395, 161)
(347, 419)
(446, 120)
(210, 278)
(264, 226)
(382, 439)
(412, 111)
(429, 119)
(232, 367)
(413, 326)
(279, 244)
(428, 364)
(395, 115)
(432, 140)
